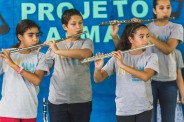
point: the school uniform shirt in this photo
(70, 81)
(167, 63)
(19, 96)
(133, 95)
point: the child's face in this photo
(140, 38)
(75, 25)
(29, 38)
(162, 9)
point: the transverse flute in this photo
(12, 50)
(94, 58)
(129, 21)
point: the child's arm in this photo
(144, 75)
(34, 78)
(74, 53)
(180, 84)
(114, 33)
(165, 47)
(99, 73)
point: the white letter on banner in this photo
(86, 10)
(94, 32)
(107, 35)
(53, 34)
(97, 9)
(27, 8)
(45, 9)
(144, 8)
(61, 6)
(119, 5)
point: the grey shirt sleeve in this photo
(50, 57)
(177, 32)
(152, 63)
(42, 64)
(88, 44)
(179, 59)
(110, 67)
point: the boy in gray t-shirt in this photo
(70, 92)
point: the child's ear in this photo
(19, 37)
(64, 27)
(130, 39)
(154, 11)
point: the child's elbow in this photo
(88, 54)
(167, 52)
(37, 82)
(146, 78)
(97, 80)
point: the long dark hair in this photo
(129, 31)
(22, 27)
(67, 15)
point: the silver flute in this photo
(129, 21)
(12, 50)
(94, 58)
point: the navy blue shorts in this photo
(77, 112)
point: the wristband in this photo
(20, 70)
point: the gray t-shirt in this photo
(179, 59)
(19, 96)
(133, 96)
(167, 63)
(70, 81)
